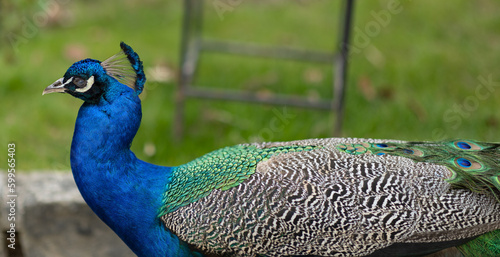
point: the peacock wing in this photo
(328, 201)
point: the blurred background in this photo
(428, 73)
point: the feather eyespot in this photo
(467, 163)
(382, 145)
(463, 162)
(415, 152)
(360, 149)
(463, 145)
(467, 145)
(408, 151)
(418, 153)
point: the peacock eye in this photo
(467, 163)
(79, 82)
(467, 145)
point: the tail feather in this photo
(474, 165)
(485, 245)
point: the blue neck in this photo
(125, 192)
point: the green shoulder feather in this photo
(221, 169)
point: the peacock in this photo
(315, 197)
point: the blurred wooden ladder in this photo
(192, 44)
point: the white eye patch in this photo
(90, 82)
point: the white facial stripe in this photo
(58, 84)
(90, 82)
(69, 80)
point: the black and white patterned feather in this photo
(326, 202)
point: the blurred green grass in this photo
(403, 84)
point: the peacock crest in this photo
(126, 67)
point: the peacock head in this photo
(89, 79)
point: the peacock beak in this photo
(56, 87)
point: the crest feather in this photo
(126, 67)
